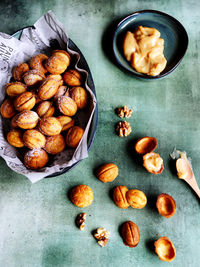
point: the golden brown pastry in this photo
(35, 93)
(74, 136)
(55, 144)
(50, 126)
(48, 88)
(34, 139)
(27, 119)
(146, 145)
(130, 234)
(165, 249)
(62, 90)
(67, 105)
(38, 130)
(35, 159)
(81, 196)
(7, 109)
(107, 172)
(37, 62)
(79, 95)
(25, 101)
(15, 88)
(136, 198)
(119, 196)
(45, 109)
(73, 78)
(58, 62)
(166, 205)
(14, 121)
(15, 139)
(33, 77)
(56, 77)
(65, 56)
(66, 122)
(19, 71)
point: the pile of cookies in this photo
(41, 101)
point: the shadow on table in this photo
(136, 158)
(56, 256)
(150, 245)
(107, 39)
(7, 175)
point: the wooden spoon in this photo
(185, 172)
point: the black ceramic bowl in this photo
(93, 127)
(172, 31)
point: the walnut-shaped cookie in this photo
(55, 144)
(25, 101)
(35, 159)
(48, 89)
(119, 196)
(37, 62)
(14, 89)
(19, 71)
(67, 105)
(81, 196)
(73, 78)
(15, 138)
(34, 139)
(45, 109)
(79, 95)
(27, 119)
(62, 90)
(7, 109)
(66, 122)
(74, 136)
(33, 77)
(50, 126)
(58, 62)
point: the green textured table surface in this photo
(37, 220)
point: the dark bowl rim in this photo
(94, 116)
(140, 75)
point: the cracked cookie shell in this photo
(166, 205)
(146, 145)
(165, 249)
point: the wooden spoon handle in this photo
(192, 182)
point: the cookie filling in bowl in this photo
(144, 50)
